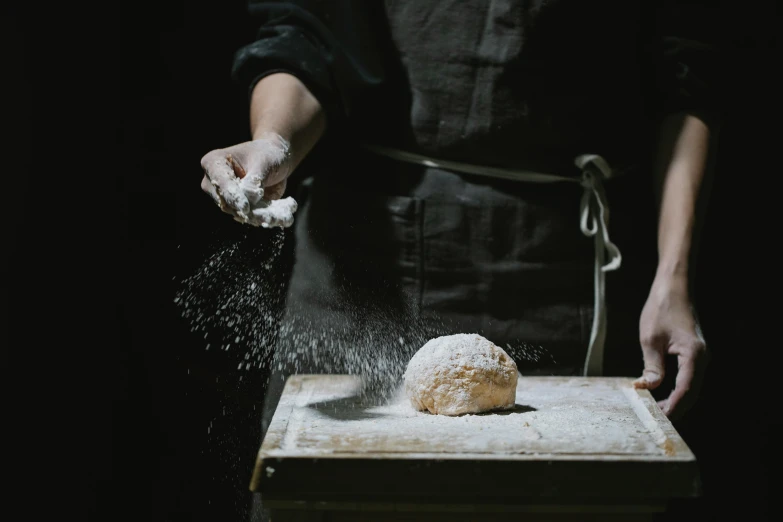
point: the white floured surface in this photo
(555, 416)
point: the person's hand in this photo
(244, 179)
(668, 327)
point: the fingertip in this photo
(649, 380)
(640, 384)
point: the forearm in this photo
(682, 160)
(282, 105)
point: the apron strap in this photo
(593, 221)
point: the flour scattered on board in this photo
(551, 416)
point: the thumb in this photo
(653, 352)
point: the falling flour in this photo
(236, 302)
(233, 302)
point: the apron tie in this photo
(593, 221)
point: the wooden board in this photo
(570, 438)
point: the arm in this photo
(281, 105)
(329, 54)
(684, 144)
(668, 324)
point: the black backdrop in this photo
(159, 428)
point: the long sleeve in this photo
(327, 45)
(687, 57)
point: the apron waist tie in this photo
(593, 221)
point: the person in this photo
(456, 165)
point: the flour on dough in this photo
(462, 373)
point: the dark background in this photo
(125, 416)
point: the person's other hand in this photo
(244, 178)
(668, 326)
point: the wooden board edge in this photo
(651, 416)
(457, 456)
(277, 427)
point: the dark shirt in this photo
(503, 82)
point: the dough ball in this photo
(463, 373)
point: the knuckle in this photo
(696, 347)
(209, 158)
(649, 339)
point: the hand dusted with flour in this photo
(247, 181)
(462, 373)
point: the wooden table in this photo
(572, 449)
